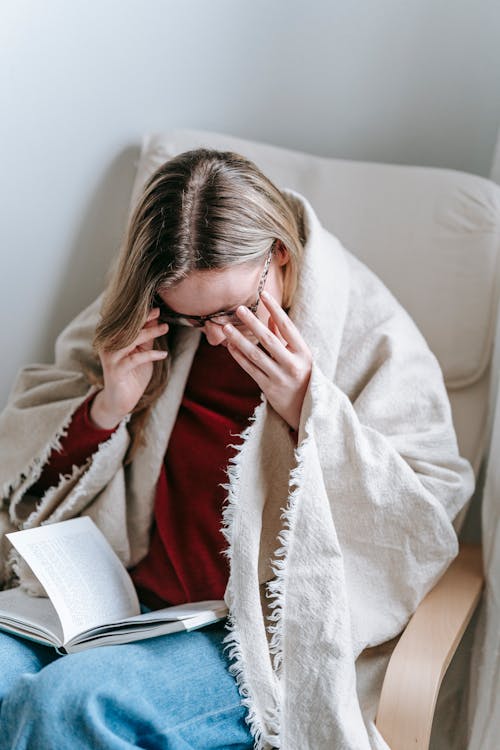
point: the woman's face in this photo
(206, 292)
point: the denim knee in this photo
(165, 694)
(19, 656)
(61, 706)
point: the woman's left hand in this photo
(283, 370)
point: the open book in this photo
(91, 598)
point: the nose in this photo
(214, 333)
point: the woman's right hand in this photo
(127, 373)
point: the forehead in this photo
(204, 292)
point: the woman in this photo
(233, 314)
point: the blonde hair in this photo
(203, 209)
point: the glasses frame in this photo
(198, 321)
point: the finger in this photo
(115, 356)
(140, 358)
(153, 313)
(271, 343)
(146, 335)
(274, 328)
(254, 372)
(259, 357)
(285, 324)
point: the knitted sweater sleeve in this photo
(82, 439)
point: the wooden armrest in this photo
(424, 651)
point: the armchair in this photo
(432, 236)
(424, 651)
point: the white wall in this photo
(413, 81)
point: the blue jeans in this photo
(173, 692)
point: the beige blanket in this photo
(332, 545)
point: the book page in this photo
(209, 609)
(81, 573)
(181, 612)
(32, 615)
(152, 630)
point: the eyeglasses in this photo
(219, 318)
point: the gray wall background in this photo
(404, 81)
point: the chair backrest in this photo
(432, 235)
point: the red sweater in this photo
(185, 561)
